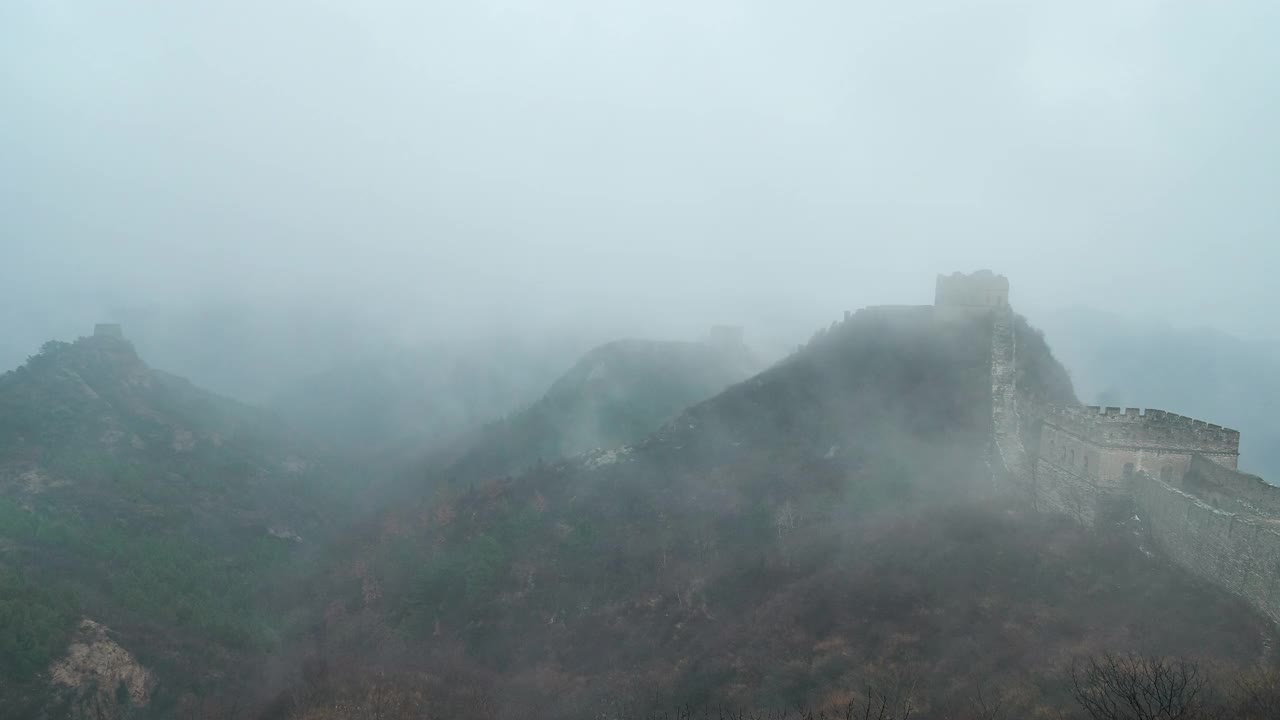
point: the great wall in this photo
(1174, 477)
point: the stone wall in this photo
(1234, 551)
(1058, 490)
(1150, 430)
(1104, 448)
(1218, 523)
(1095, 464)
(984, 296)
(1071, 452)
(1232, 490)
(1004, 402)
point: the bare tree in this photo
(1257, 696)
(983, 706)
(1136, 687)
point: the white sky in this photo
(658, 163)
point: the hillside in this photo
(825, 524)
(615, 394)
(153, 509)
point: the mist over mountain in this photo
(660, 526)
(400, 400)
(827, 522)
(616, 394)
(414, 398)
(152, 510)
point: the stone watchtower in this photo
(982, 290)
(111, 330)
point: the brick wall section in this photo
(984, 296)
(1154, 431)
(1099, 450)
(1232, 490)
(1059, 490)
(1004, 399)
(1235, 552)
(1074, 454)
(1177, 473)
(1178, 476)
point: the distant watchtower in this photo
(982, 289)
(111, 330)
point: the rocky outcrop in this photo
(98, 678)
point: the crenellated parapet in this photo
(1171, 476)
(1151, 429)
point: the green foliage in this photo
(457, 583)
(614, 395)
(171, 579)
(20, 524)
(35, 622)
(143, 502)
(517, 528)
(485, 560)
(183, 582)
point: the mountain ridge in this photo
(614, 394)
(133, 500)
(860, 462)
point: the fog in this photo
(471, 430)
(441, 170)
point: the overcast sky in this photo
(663, 161)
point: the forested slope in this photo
(132, 498)
(827, 523)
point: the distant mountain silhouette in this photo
(616, 394)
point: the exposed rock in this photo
(284, 534)
(34, 481)
(94, 671)
(606, 457)
(183, 441)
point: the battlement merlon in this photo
(1149, 429)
